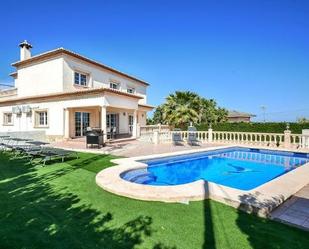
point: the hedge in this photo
(296, 128)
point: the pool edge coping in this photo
(261, 200)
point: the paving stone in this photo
(300, 207)
(296, 220)
(306, 224)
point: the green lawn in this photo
(60, 206)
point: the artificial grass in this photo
(60, 206)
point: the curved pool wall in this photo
(260, 200)
(239, 168)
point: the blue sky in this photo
(244, 54)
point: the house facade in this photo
(61, 93)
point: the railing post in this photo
(305, 138)
(156, 137)
(287, 138)
(159, 126)
(209, 134)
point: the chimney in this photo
(25, 50)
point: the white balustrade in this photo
(275, 140)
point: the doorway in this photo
(112, 123)
(131, 120)
(82, 121)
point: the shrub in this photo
(272, 127)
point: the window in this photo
(80, 79)
(130, 90)
(114, 85)
(41, 118)
(8, 119)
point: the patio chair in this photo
(176, 137)
(192, 137)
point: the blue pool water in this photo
(239, 168)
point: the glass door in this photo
(82, 121)
(112, 121)
(130, 124)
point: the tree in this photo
(302, 120)
(181, 108)
(158, 115)
(221, 115)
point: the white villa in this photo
(60, 93)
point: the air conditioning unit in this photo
(16, 110)
(26, 109)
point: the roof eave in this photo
(73, 54)
(148, 107)
(69, 94)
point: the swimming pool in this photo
(240, 168)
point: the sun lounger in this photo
(34, 149)
(192, 137)
(176, 138)
(48, 154)
(7, 143)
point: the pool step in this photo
(143, 179)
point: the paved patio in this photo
(295, 211)
(130, 148)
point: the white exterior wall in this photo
(57, 75)
(142, 117)
(55, 115)
(97, 77)
(41, 78)
(115, 103)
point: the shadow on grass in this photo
(209, 235)
(88, 159)
(265, 233)
(92, 162)
(34, 215)
(15, 166)
(228, 228)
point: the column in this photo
(66, 123)
(103, 122)
(134, 132)
(138, 130)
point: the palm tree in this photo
(181, 108)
